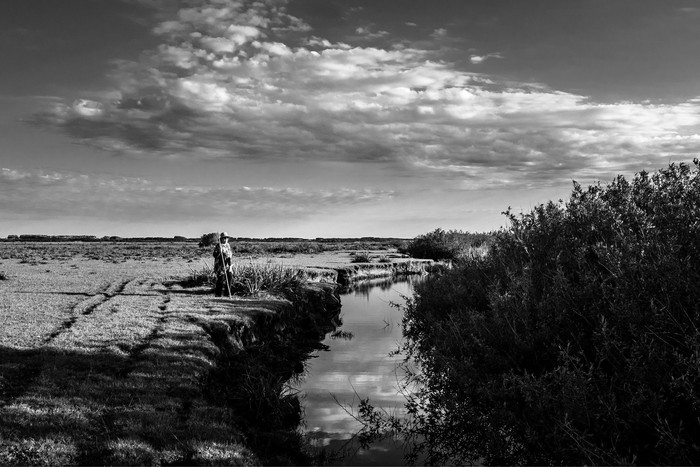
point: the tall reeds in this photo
(255, 278)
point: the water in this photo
(356, 368)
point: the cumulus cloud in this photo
(244, 79)
(128, 198)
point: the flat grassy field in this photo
(103, 356)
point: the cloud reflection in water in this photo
(357, 368)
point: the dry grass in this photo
(102, 363)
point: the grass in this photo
(110, 377)
(104, 251)
(256, 278)
(100, 363)
(204, 276)
(251, 278)
(117, 252)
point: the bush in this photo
(361, 257)
(574, 341)
(209, 239)
(445, 245)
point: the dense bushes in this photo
(445, 245)
(575, 341)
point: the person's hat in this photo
(223, 234)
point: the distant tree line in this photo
(92, 238)
(212, 238)
(205, 240)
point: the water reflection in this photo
(364, 288)
(356, 368)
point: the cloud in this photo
(128, 198)
(237, 79)
(439, 33)
(693, 11)
(476, 59)
(365, 33)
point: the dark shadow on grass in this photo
(192, 291)
(85, 401)
(154, 404)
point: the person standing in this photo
(222, 265)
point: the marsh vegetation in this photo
(441, 245)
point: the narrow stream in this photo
(356, 367)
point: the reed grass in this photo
(200, 277)
(255, 278)
(251, 278)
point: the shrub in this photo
(361, 257)
(445, 245)
(209, 239)
(3, 276)
(574, 341)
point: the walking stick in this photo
(223, 263)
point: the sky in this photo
(332, 118)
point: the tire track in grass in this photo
(112, 418)
(138, 350)
(87, 306)
(17, 377)
(117, 288)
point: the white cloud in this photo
(476, 59)
(240, 79)
(366, 33)
(87, 108)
